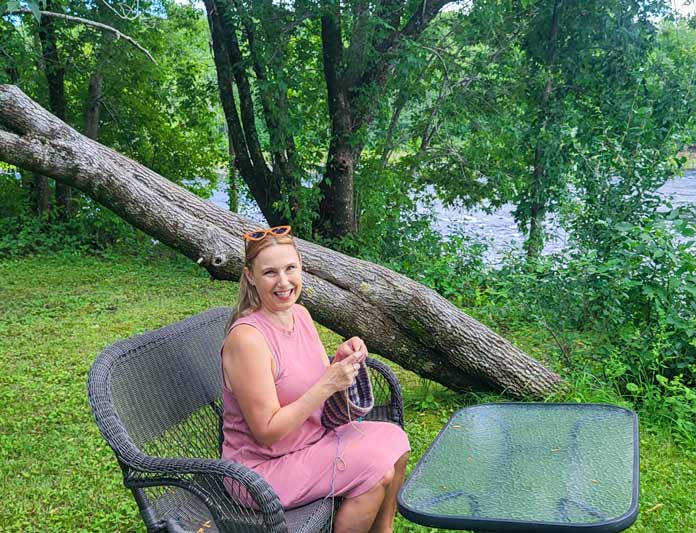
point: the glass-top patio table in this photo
(529, 467)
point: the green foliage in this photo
(165, 115)
(173, 123)
(93, 229)
(394, 234)
(671, 401)
(13, 198)
(494, 107)
(637, 295)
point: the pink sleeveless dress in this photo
(300, 467)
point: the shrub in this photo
(641, 295)
(92, 229)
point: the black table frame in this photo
(522, 526)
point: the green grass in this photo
(58, 312)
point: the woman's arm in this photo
(248, 370)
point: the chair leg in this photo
(148, 514)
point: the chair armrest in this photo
(250, 500)
(387, 392)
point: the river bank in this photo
(496, 228)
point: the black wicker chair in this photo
(157, 401)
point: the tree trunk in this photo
(55, 75)
(539, 197)
(337, 213)
(398, 318)
(534, 244)
(93, 106)
(233, 187)
(241, 125)
(40, 194)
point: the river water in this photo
(497, 228)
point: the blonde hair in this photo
(248, 299)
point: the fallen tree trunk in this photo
(398, 318)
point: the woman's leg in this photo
(384, 521)
(373, 510)
(356, 515)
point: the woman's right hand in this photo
(341, 374)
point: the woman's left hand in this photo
(352, 345)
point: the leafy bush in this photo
(453, 267)
(639, 297)
(13, 198)
(93, 228)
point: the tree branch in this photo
(422, 15)
(122, 14)
(86, 22)
(379, 71)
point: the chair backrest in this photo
(161, 391)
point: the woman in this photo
(276, 378)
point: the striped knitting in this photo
(355, 402)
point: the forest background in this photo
(342, 119)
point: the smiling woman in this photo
(276, 379)
(274, 272)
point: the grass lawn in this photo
(58, 312)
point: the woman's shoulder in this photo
(302, 311)
(250, 317)
(243, 329)
(303, 316)
(242, 333)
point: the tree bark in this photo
(398, 318)
(39, 194)
(337, 213)
(93, 106)
(232, 185)
(55, 76)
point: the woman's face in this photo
(277, 275)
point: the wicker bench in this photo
(157, 400)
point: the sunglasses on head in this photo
(259, 234)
